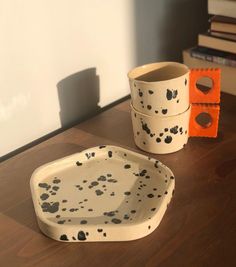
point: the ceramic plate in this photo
(105, 193)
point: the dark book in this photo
(223, 35)
(213, 55)
(223, 24)
(223, 19)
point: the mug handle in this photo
(212, 95)
(210, 128)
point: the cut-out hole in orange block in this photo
(204, 119)
(198, 96)
(207, 126)
(204, 84)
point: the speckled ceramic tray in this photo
(105, 193)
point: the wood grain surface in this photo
(198, 229)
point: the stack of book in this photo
(217, 47)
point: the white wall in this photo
(44, 41)
(61, 60)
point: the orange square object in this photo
(196, 95)
(211, 128)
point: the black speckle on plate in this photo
(55, 187)
(56, 181)
(143, 172)
(116, 221)
(43, 185)
(109, 214)
(52, 208)
(61, 222)
(94, 183)
(126, 217)
(102, 178)
(112, 180)
(127, 166)
(168, 139)
(64, 238)
(81, 236)
(98, 192)
(44, 196)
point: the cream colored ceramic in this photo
(158, 134)
(105, 193)
(160, 88)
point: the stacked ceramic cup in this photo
(160, 106)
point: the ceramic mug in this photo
(161, 135)
(166, 88)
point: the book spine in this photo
(214, 59)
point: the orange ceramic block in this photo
(209, 128)
(213, 95)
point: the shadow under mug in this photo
(162, 135)
(167, 88)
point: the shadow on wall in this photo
(165, 27)
(78, 96)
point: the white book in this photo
(222, 7)
(210, 41)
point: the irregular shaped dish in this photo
(104, 193)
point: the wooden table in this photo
(198, 229)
